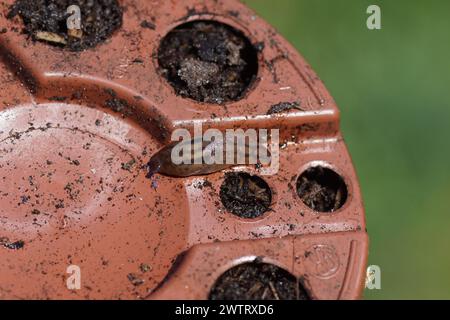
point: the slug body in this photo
(162, 162)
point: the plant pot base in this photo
(77, 128)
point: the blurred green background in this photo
(393, 89)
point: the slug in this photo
(162, 163)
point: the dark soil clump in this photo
(99, 19)
(258, 281)
(322, 189)
(244, 195)
(208, 61)
(283, 107)
(11, 245)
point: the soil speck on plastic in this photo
(283, 107)
(258, 281)
(322, 189)
(148, 25)
(145, 267)
(129, 165)
(134, 279)
(245, 195)
(11, 245)
(208, 61)
(114, 103)
(99, 20)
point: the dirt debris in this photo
(322, 189)
(208, 61)
(258, 281)
(45, 20)
(245, 195)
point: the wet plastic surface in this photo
(77, 128)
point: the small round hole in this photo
(322, 189)
(258, 281)
(245, 195)
(46, 20)
(208, 61)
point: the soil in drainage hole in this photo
(245, 195)
(258, 281)
(322, 189)
(46, 20)
(208, 61)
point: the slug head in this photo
(153, 166)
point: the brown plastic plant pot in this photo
(78, 127)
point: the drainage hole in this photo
(47, 20)
(322, 189)
(208, 61)
(245, 195)
(258, 281)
